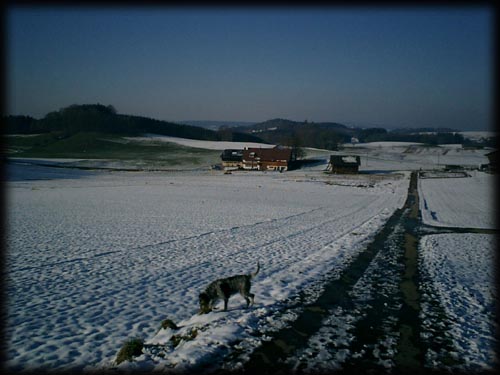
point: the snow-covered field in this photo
(332, 346)
(478, 135)
(208, 145)
(375, 156)
(93, 261)
(460, 269)
(95, 258)
(465, 202)
(393, 156)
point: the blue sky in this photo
(390, 67)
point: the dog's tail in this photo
(252, 275)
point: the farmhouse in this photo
(232, 159)
(344, 164)
(267, 159)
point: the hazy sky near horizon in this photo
(390, 67)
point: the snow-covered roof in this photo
(348, 160)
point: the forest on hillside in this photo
(326, 135)
(104, 119)
(330, 135)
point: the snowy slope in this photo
(460, 269)
(209, 145)
(96, 260)
(393, 156)
(459, 202)
(478, 135)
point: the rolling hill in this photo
(104, 119)
(85, 130)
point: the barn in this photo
(344, 164)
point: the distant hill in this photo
(423, 130)
(284, 124)
(329, 135)
(99, 118)
(326, 135)
(216, 125)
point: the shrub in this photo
(177, 339)
(167, 323)
(132, 348)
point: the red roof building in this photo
(267, 159)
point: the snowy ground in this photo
(209, 145)
(479, 135)
(375, 156)
(332, 346)
(465, 202)
(96, 260)
(387, 156)
(459, 270)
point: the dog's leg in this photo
(245, 292)
(249, 297)
(252, 296)
(226, 291)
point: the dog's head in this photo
(204, 303)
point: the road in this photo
(368, 319)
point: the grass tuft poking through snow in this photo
(132, 348)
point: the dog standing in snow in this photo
(225, 288)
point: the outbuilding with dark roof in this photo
(344, 163)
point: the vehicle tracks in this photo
(368, 318)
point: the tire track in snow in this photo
(288, 233)
(152, 245)
(235, 231)
(289, 348)
(128, 291)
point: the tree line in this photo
(428, 136)
(100, 118)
